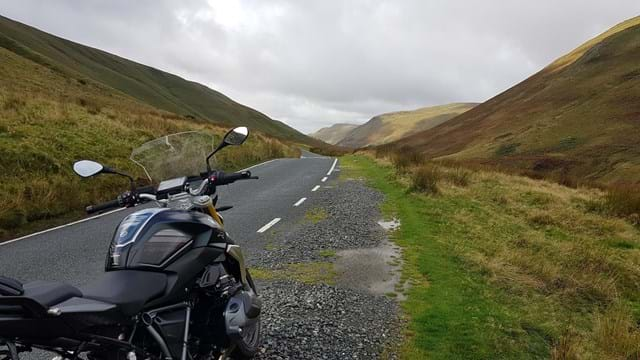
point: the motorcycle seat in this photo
(129, 290)
(45, 293)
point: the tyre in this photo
(249, 344)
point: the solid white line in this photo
(299, 202)
(332, 166)
(324, 179)
(97, 216)
(268, 225)
(315, 188)
(262, 163)
(61, 226)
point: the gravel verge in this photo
(324, 322)
(319, 321)
(351, 222)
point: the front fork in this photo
(236, 253)
(11, 353)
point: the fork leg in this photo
(13, 352)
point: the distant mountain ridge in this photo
(149, 85)
(579, 116)
(334, 133)
(390, 127)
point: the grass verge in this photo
(306, 273)
(509, 267)
(49, 120)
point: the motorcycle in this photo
(175, 286)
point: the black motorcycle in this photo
(175, 287)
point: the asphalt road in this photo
(76, 253)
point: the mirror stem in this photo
(222, 145)
(132, 182)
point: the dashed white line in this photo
(315, 188)
(332, 166)
(300, 201)
(324, 179)
(269, 225)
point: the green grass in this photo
(315, 215)
(306, 273)
(146, 84)
(510, 268)
(327, 253)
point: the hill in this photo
(578, 117)
(334, 133)
(51, 116)
(149, 85)
(390, 127)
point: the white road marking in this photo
(324, 179)
(269, 225)
(98, 216)
(299, 202)
(315, 188)
(332, 166)
(61, 226)
(262, 163)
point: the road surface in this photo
(76, 253)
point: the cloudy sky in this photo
(313, 63)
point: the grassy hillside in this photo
(334, 133)
(578, 117)
(152, 86)
(507, 267)
(49, 119)
(393, 126)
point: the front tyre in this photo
(248, 344)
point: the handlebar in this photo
(225, 179)
(128, 199)
(102, 207)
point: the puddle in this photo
(376, 270)
(389, 225)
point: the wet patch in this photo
(389, 225)
(376, 270)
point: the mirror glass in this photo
(87, 168)
(236, 136)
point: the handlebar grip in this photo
(101, 207)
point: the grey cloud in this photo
(313, 63)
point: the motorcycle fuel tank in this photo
(152, 238)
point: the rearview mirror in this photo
(236, 136)
(87, 168)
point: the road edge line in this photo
(96, 216)
(60, 227)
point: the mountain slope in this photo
(152, 86)
(393, 126)
(49, 119)
(580, 116)
(334, 133)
